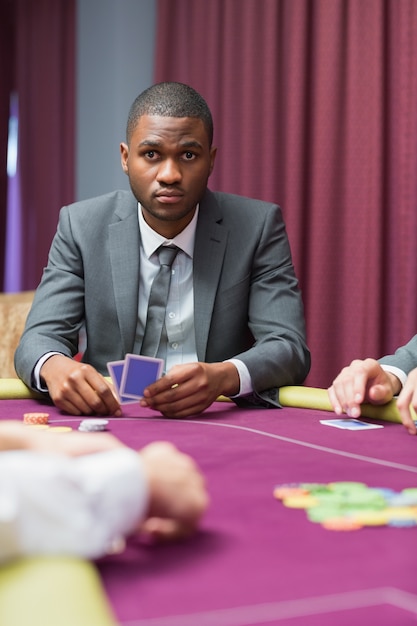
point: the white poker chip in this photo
(92, 425)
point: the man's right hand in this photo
(77, 388)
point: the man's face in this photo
(168, 162)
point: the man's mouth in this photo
(169, 197)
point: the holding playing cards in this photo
(201, 280)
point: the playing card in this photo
(116, 371)
(349, 423)
(138, 373)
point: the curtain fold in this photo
(43, 62)
(7, 29)
(314, 104)
(45, 75)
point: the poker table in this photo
(253, 561)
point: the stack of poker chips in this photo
(35, 418)
(93, 425)
(351, 505)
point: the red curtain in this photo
(43, 60)
(6, 88)
(315, 107)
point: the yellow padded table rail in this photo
(15, 389)
(47, 591)
(295, 396)
(315, 398)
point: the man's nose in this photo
(169, 172)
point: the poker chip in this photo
(61, 429)
(402, 523)
(35, 418)
(93, 425)
(410, 491)
(300, 502)
(319, 514)
(371, 518)
(341, 523)
(286, 491)
(402, 499)
(402, 512)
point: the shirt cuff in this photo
(402, 376)
(246, 386)
(36, 376)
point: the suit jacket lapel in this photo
(209, 250)
(124, 257)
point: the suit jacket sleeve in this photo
(405, 358)
(91, 281)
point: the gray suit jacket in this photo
(246, 298)
(405, 357)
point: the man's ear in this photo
(213, 152)
(124, 156)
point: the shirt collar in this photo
(151, 240)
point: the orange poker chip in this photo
(341, 523)
(282, 491)
(35, 418)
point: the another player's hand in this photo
(78, 388)
(178, 495)
(407, 399)
(189, 389)
(362, 381)
(15, 435)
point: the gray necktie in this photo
(155, 321)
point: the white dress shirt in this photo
(80, 506)
(179, 321)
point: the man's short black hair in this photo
(170, 99)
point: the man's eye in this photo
(189, 156)
(151, 154)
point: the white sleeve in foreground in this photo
(79, 506)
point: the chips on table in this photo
(351, 505)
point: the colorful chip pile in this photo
(35, 418)
(93, 425)
(351, 505)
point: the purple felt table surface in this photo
(255, 561)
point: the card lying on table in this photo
(131, 376)
(350, 423)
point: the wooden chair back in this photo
(14, 309)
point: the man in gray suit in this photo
(378, 382)
(234, 322)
